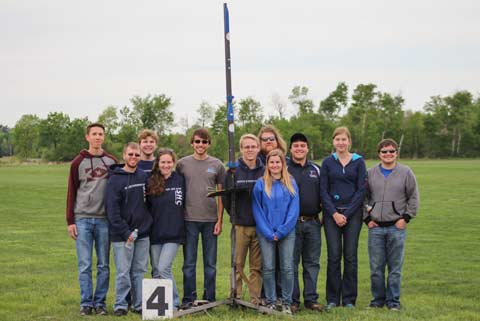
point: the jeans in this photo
(308, 243)
(162, 258)
(190, 249)
(131, 264)
(342, 242)
(246, 240)
(386, 248)
(93, 231)
(285, 248)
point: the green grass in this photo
(38, 274)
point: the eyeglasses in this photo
(133, 154)
(203, 141)
(250, 147)
(391, 151)
(266, 139)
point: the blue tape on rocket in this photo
(230, 114)
(232, 164)
(226, 19)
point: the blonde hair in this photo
(285, 179)
(271, 129)
(342, 130)
(249, 136)
(147, 133)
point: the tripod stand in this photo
(232, 300)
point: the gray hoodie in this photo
(391, 198)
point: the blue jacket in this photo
(125, 204)
(245, 179)
(343, 188)
(168, 211)
(275, 215)
(308, 180)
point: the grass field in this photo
(441, 280)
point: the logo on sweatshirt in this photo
(96, 173)
(313, 174)
(178, 197)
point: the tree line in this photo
(446, 127)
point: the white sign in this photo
(157, 299)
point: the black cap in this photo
(298, 137)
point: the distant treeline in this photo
(446, 127)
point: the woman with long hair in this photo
(166, 194)
(342, 190)
(275, 209)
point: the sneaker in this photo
(186, 305)
(101, 311)
(375, 306)
(394, 308)
(286, 309)
(349, 306)
(294, 307)
(137, 311)
(85, 310)
(330, 306)
(271, 307)
(120, 312)
(198, 303)
(278, 304)
(315, 307)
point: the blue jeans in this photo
(162, 259)
(131, 264)
(386, 248)
(342, 242)
(190, 249)
(93, 231)
(285, 249)
(308, 243)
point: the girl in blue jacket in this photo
(342, 190)
(166, 194)
(276, 209)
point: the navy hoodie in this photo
(308, 182)
(125, 204)
(146, 166)
(168, 211)
(245, 179)
(343, 188)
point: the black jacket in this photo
(125, 204)
(168, 212)
(308, 182)
(245, 179)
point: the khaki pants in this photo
(246, 241)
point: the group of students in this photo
(154, 204)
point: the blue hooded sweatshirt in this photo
(125, 204)
(277, 214)
(168, 212)
(343, 188)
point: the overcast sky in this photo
(79, 57)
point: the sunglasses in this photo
(133, 154)
(266, 139)
(391, 151)
(203, 141)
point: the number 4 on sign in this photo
(157, 299)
